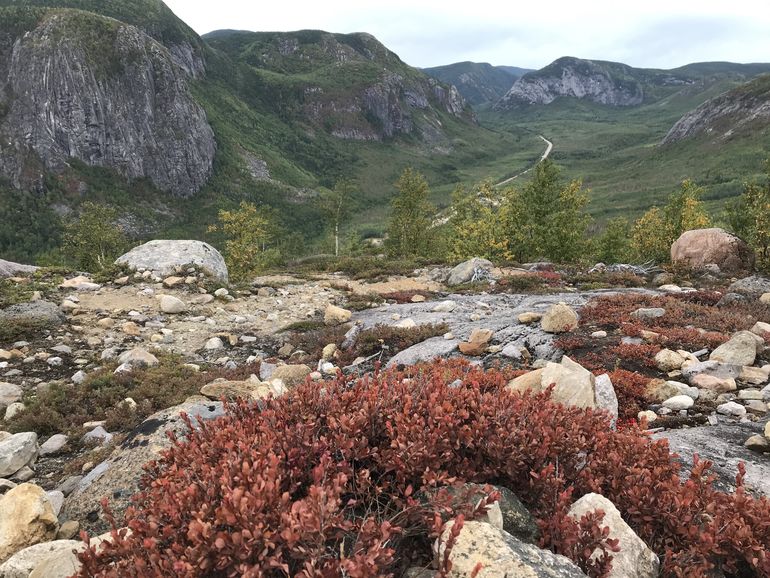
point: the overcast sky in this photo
(646, 33)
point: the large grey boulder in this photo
(165, 258)
(740, 349)
(466, 271)
(9, 393)
(634, 558)
(24, 319)
(11, 269)
(573, 384)
(754, 286)
(117, 478)
(501, 555)
(700, 247)
(427, 350)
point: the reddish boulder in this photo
(701, 247)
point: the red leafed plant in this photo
(330, 480)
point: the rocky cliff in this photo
(79, 85)
(347, 84)
(721, 117)
(601, 82)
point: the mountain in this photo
(743, 109)
(615, 84)
(479, 83)
(119, 101)
(347, 84)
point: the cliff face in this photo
(720, 117)
(571, 77)
(78, 85)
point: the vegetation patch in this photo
(329, 484)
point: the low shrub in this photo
(323, 482)
(64, 407)
(392, 339)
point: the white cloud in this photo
(655, 33)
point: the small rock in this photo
(651, 416)
(336, 315)
(418, 298)
(173, 281)
(214, 344)
(749, 394)
(731, 408)
(97, 436)
(13, 410)
(53, 444)
(328, 352)
(291, 375)
(285, 350)
(758, 443)
(16, 452)
(649, 313)
(221, 292)
(529, 317)
(559, 318)
(9, 393)
(172, 305)
(679, 402)
(667, 360)
(138, 357)
(131, 328)
(445, 307)
(599, 334)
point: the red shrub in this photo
(643, 354)
(322, 482)
(630, 389)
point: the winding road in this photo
(548, 149)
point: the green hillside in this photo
(617, 151)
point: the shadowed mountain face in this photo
(481, 84)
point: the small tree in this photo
(474, 227)
(411, 220)
(614, 244)
(547, 217)
(247, 230)
(335, 204)
(657, 229)
(94, 240)
(749, 217)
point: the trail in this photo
(444, 218)
(548, 149)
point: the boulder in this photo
(26, 518)
(649, 313)
(11, 269)
(117, 478)
(478, 269)
(606, 397)
(336, 315)
(700, 247)
(635, 557)
(23, 319)
(740, 349)
(573, 384)
(753, 286)
(16, 452)
(55, 556)
(80, 283)
(165, 258)
(500, 555)
(559, 318)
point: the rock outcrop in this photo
(79, 85)
(700, 247)
(601, 82)
(742, 108)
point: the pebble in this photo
(731, 408)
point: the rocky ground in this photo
(93, 374)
